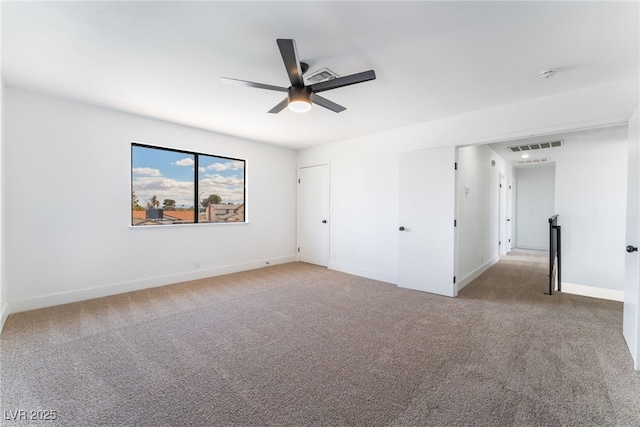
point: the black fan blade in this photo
(281, 106)
(344, 81)
(324, 102)
(291, 62)
(237, 82)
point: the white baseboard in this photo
(369, 274)
(461, 283)
(592, 291)
(4, 313)
(134, 285)
(532, 247)
(388, 278)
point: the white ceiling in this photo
(432, 59)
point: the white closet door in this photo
(313, 215)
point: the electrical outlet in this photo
(196, 263)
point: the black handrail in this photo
(554, 251)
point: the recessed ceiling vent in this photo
(321, 76)
(542, 145)
(534, 161)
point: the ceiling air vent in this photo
(321, 76)
(540, 146)
(534, 161)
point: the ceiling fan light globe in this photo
(299, 106)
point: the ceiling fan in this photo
(300, 97)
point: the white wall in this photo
(534, 206)
(590, 199)
(364, 170)
(477, 217)
(67, 205)
(364, 209)
(4, 311)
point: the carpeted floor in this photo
(297, 345)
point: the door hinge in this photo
(499, 243)
(509, 187)
(298, 180)
(509, 240)
(455, 222)
(454, 279)
(298, 249)
(455, 165)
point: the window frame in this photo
(196, 201)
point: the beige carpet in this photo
(298, 345)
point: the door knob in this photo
(401, 228)
(632, 249)
(324, 221)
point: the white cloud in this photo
(233, 165)
(217, 179)
(230, 189)
(163, 188)
(187, 161)
(146, 171)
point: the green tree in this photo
(213, 199)
(153, 203)
(135, 203)
(169, 204)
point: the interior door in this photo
(427, 213)
(631, 316)
(502, 220)
(313, 214)
(510, 216)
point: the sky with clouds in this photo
(169, 175)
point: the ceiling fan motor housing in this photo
(299, 93)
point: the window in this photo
(181, 187)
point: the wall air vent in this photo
(321, 76)
(534, 161)
(540, 146)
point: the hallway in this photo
(521, 274)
